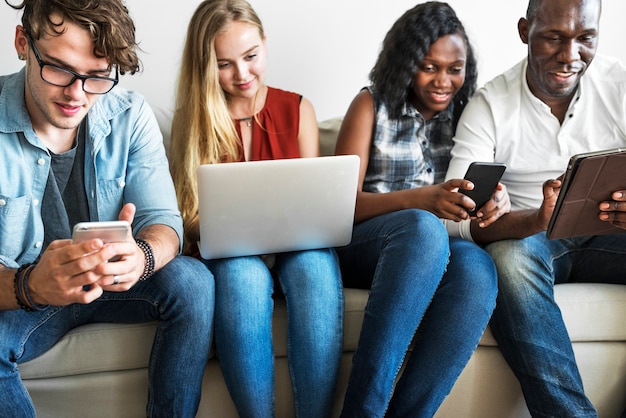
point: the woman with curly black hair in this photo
(401, 127)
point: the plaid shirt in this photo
(409, 152)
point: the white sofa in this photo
(100, 370)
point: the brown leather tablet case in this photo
(590, 179)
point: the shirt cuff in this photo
(459, 229)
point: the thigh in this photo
(392, 238)
(471, 268)
(358, 259)
(529, 266)
(27, 335)
(600, 259)
(470, 259)
(183, 283)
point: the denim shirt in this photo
(125, 162)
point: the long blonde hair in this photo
(202, 129)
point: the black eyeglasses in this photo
(63, 77)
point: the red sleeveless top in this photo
(275, 135)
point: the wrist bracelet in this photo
(148, 269)
(20, 284)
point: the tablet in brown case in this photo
(590, 179)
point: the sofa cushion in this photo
(592, 312)
(94, 348)
(112, 347)
(164, 119)
(328, 135)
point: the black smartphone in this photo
(485, 177)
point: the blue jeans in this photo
(419, 278)
(527, 322)
(311, 284)
(179, 296)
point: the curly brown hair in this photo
(108, 22)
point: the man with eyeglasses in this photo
(73, 147)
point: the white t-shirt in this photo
(505, 122)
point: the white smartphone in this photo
(111, 231)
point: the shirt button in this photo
(3, 202)
(38, 244)
(35, 202)
(122, 183)
(41, 161)
(429, 170)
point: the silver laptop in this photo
(265, 207)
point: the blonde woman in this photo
(225, 113)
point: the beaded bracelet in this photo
(148, 269)
(20, 284)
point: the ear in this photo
(21, 42)
(522, 30)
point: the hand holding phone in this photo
(485, 177)
(110, 231)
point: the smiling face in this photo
(241, 59)
(440, 75)
(562, 41)
(57, 111)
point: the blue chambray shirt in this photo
(125, 161)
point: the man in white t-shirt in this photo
(533, 117)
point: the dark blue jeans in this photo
(426, 288)
(527, 322)
(180, 296)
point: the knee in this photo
(419, 231)
(185, 272)
(237, 266)
(311, 274)
(243, 286)
(186, 286)
(189, 279)
(424, 223)
(515, 257)
(320, 262)
(523, 268)
(477, 267)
